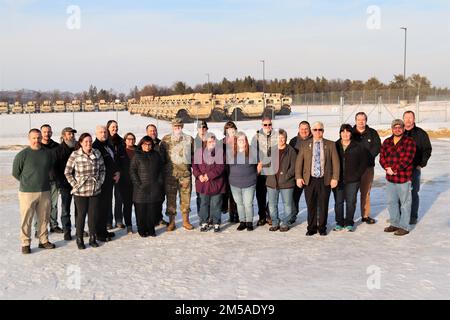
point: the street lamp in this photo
(404, 61)
(209, 86)
(264, 74)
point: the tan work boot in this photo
(186, 223)
(171, 226)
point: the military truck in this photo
(119, 106)
(245, 105)
(31, 107)
(286, 103)
(4, 107)
(89, 106)
(59, 106)
(46, 106)
(17, 108)
(74, 106)
(194, 106)
(104, 106)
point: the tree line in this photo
(292, 86)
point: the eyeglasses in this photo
(147, 144)
(320, 130)
(267, 124)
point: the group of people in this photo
(227, 174)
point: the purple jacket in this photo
(215, 171)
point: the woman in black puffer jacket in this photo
(146, 176)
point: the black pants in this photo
(317, 197)
(126, 192)
(159, 209)
(89, 206)
(261, 196)
(146, 215)
(118, 203)
(297, 194)
(105, 208)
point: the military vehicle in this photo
(119, 106)
(132, 105)
(46, 106)
(245, 105)
(89, 106)
(74, 106)
(286, 103)
(104, 106)
(59, 106)
(31, 107)
(17, 108)
(4, 107)
(213, 107)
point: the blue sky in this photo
(125, 43)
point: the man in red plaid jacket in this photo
(396, 157)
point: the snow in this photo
(232, 265)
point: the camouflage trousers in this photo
(183, 186)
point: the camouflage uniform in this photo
(177, 171)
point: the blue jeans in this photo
(345, 193)
(415, 193)
(244, 202)
(399, 204)
(288, 203)
(210, 207)
(66, 199)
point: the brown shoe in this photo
(46, 245)
(390, 229)
(401, 232)
(186, 223)
(26, 250)
(171, 226)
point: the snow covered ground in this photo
(366, 264)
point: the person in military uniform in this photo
(178, 150)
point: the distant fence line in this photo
(388, 96)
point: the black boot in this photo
(93, 241)
(249, 226)
(80, 243)
(67, 236)
(242, 226)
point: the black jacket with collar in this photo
(423, 146)
(62, 154)
(353, 161)
(371, 141)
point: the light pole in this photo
(209, 86)
(404, 61)
(264, 84)
(264, 74)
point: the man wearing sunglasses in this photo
(317, 170)
(262, 143)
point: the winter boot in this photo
(186, 223)
(171, 226)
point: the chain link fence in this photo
(382, 106)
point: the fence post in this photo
(307, 112)
(342, 109)
(418, 108)
(379, 110)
